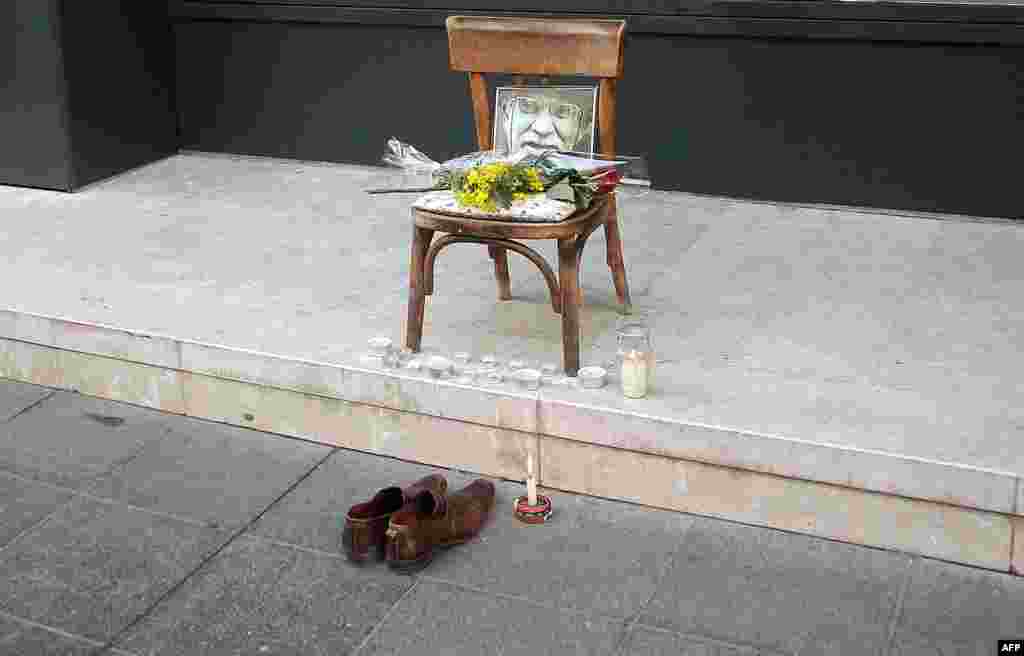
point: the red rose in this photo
(608, 181)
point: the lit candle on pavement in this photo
(531, 482)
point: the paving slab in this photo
(592, 554)
(680, 583)
(16, 396)
(94, 567)
(73, 440)
(782, 591)
(649, 641)
(24, 503)
(213, 473)
(437, 618)
(950, 609)
(19, 637)
(313, 513)
(256, 597)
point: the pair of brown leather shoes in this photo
(405, 526)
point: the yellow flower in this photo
(533, 181)
(478, 186)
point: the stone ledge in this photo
(950, 532)
(15, 324)
(911, 525)
(432, 440)
(598, 418)
(1017, 560)
(562, 415)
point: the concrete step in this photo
(584, 441)
(838, 372)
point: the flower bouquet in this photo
(489, 180)
(580, 187)
(490, 186)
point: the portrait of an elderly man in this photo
(541, 118)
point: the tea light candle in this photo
(592, 377)
(493, 377)
(634, 375)
(380, 346)
(528, 379)
(438, 366)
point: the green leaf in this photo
(503, 198)
(561, 191)
(583, 197)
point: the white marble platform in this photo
(873, 351)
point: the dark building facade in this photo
(903, 105)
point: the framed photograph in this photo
(539, 118)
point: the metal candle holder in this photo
(535, 513)
(528, 514)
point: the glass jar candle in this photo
(635, 359)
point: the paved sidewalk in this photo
(128, 531)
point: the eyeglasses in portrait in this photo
(535, 119)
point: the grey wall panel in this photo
(319, 92)
(34, 149)
(922, 127)
(997, 23)
(931, 128)
(119, 65)
(87, 90)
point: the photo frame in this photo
(536, 118)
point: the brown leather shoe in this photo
(366, 523)
(417, 530)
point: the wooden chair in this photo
(528, 46)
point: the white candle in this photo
(531, 481)
(634, 375)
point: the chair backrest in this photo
(538, 46)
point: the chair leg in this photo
(568, 274)
(579, 268)
(615, 262)
(500, 257)
(421, 238)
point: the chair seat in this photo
(535, 208)
(583, 221)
